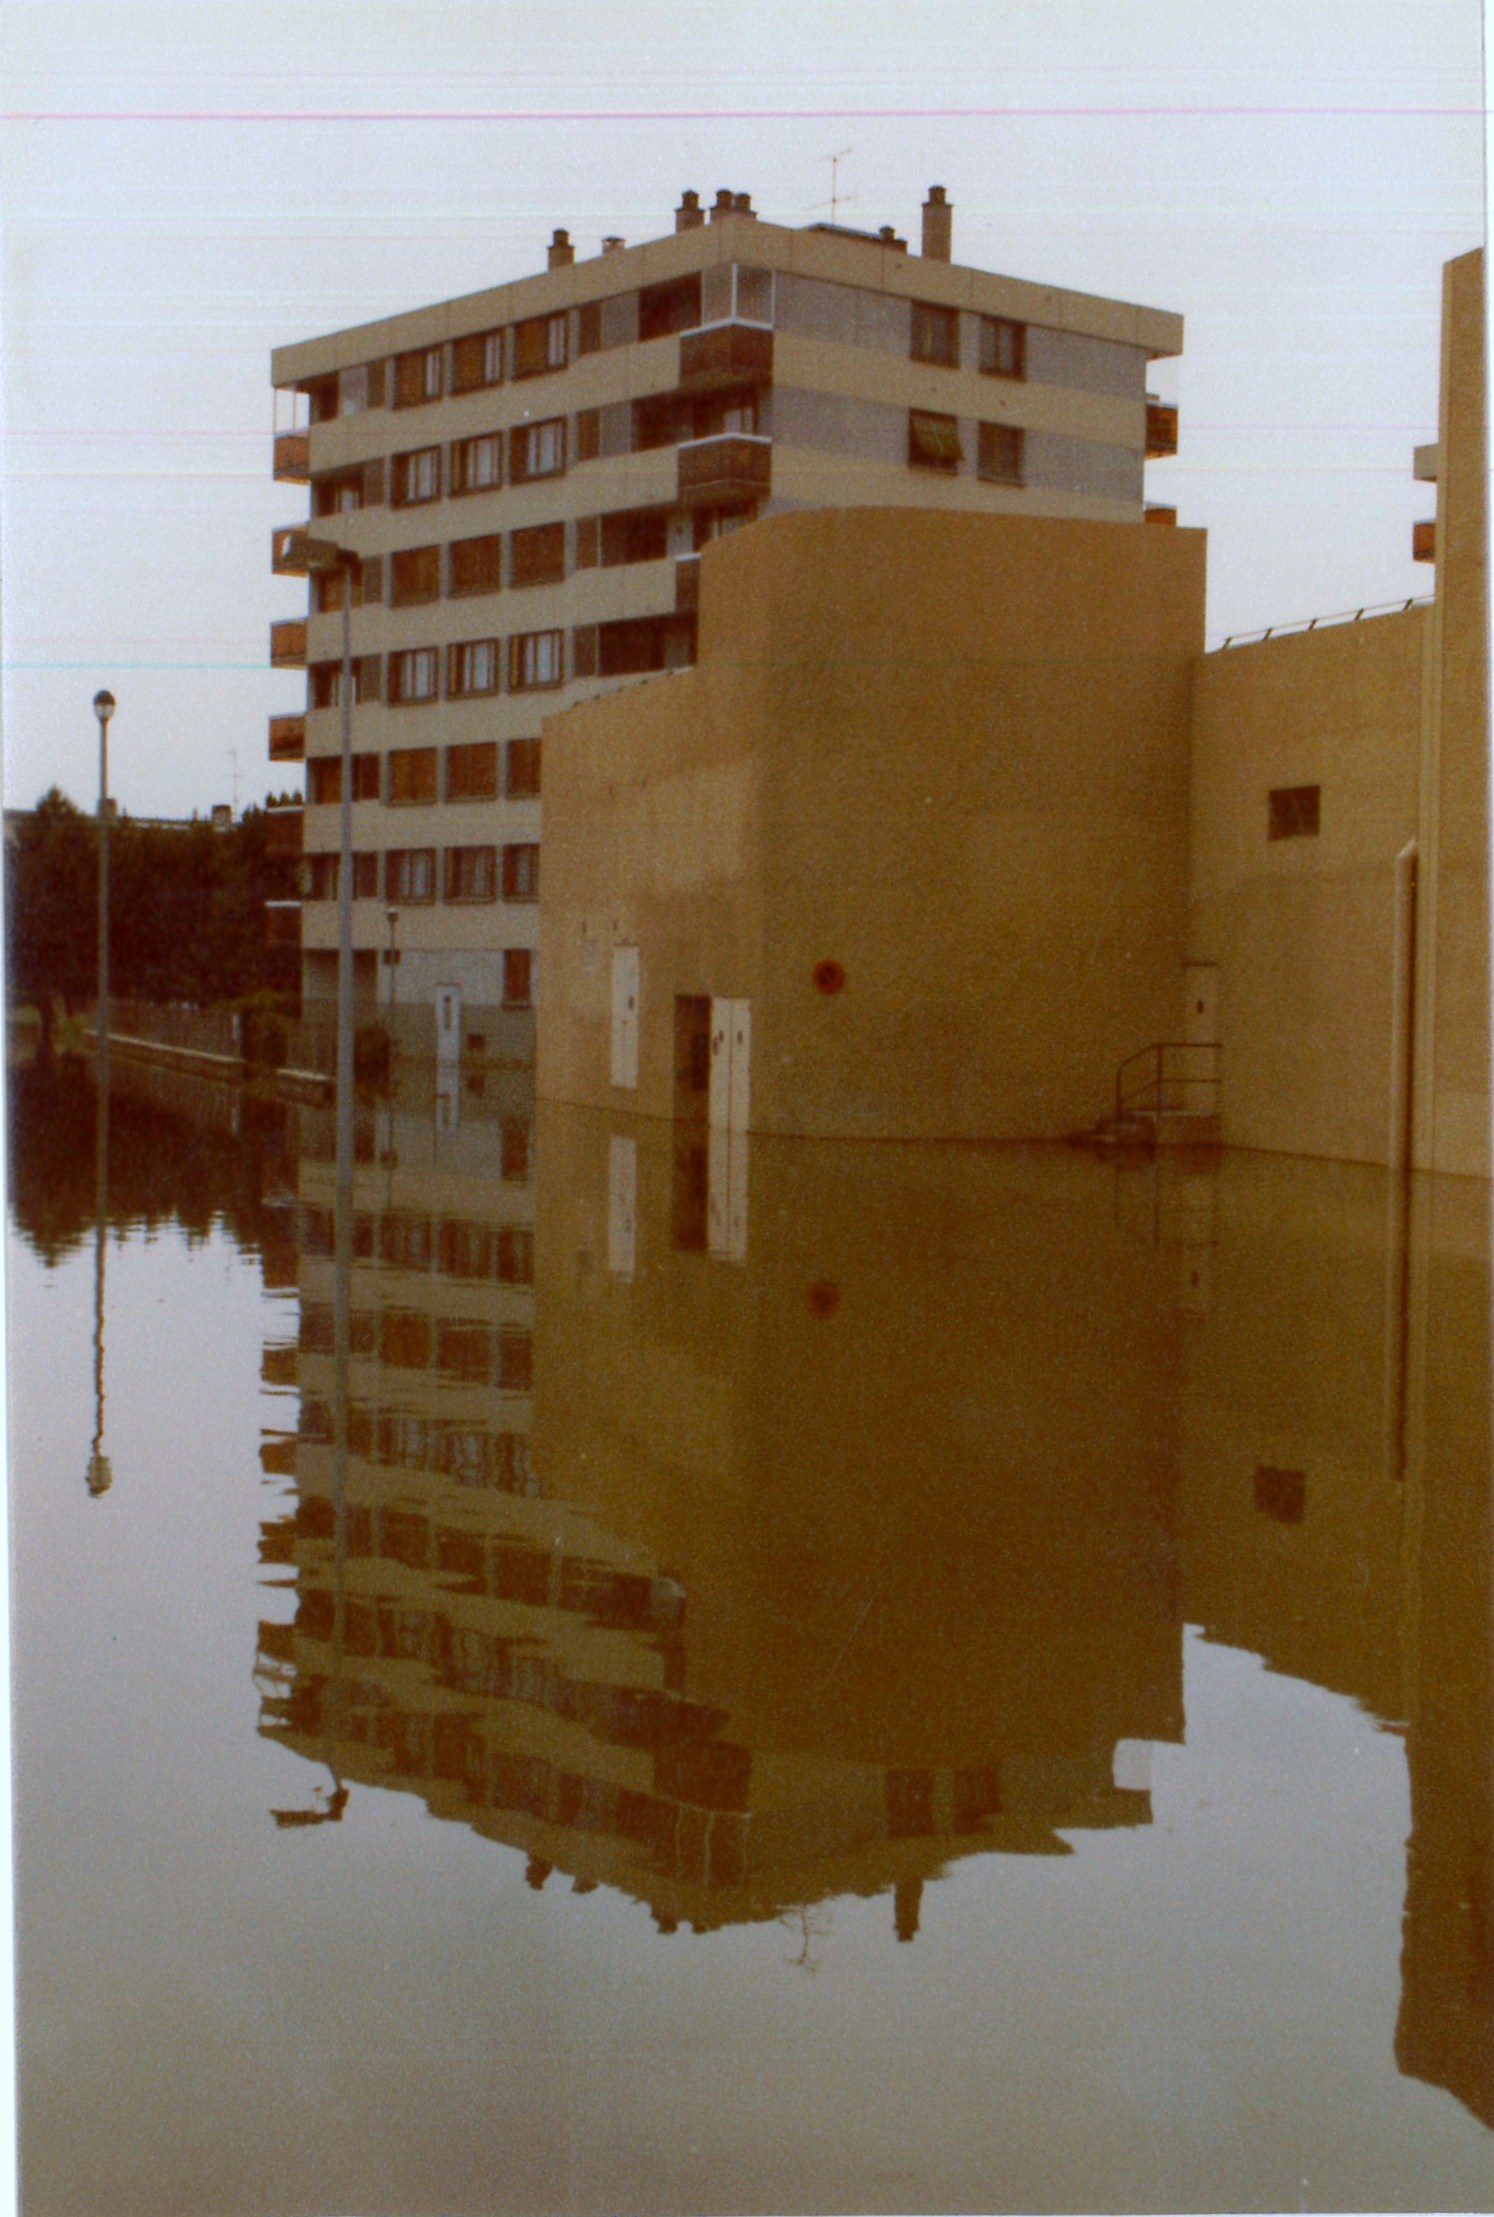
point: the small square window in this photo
(936, 335)
(521, 873)
(999, 460)
(1293, 812)
(1003, 347)
(1281, 1494)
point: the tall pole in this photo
(103, 708)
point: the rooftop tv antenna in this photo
(839, 199)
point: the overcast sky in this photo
(187, 184)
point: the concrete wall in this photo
(949, 754)
(1302, 929)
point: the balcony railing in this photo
(293, 457)
(288, 644)
(287, 738)
(734, 465)
(1424, 541)
(725, 354)
(1161, 429)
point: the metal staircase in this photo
(1166, 1095)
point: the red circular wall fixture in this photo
(829, 975)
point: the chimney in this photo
(726, 205)
(889, 237)
(562, 253)
(689, 214)
(938, 226)
(613, 245)
(742, 204)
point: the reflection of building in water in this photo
(902, 1621)
(1336, 1520)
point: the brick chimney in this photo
(562, 253)
(613, 244)
(726, 205)
(742, 204)
(938, 226)
(689, 215)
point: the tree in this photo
(52, 907)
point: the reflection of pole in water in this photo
(100, 1476)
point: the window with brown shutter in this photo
(589, 327)
(588, 434)
(477, 464)
(584, 650)
(367, 776)
(417, 477)
(373, 482)
(472, 771)
(324, 783)
(999, 454)
(514, 1141)
(410, 874)
(1294, 812)
(370, 669)
(471, 874)
(412, 775)
(414, 575)
(588, 541)
(540, 344)
(417, 377)
(537, 555)
(476, 361)
(413, 676)
(371, 580)
(521, 759)
(477, 564)
(521, 873)
(365, 877)
(536, 450)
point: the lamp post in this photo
(392, 917)
(103, 708)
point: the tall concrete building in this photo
(527, 477)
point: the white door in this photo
(726, 1195)
(625, 1016)
(731, 1061)
(448, 1024)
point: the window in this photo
(933, 441)
(634, 535)
(324, 682)
(472, 772)
(477, 361)
(477, 464)
(515, 1361)
(1281, 1494)
(513, 1159)
(537, 450)
(1003, 347)
(417, 377)
(338, 495)
(324, 778)
(516, 1254)
(588, 434)
(754, 295)
(936, 335)
(471, 874)
(473, 668)
(417, 477)
(521, 763)
(537, 556)
(663, 309)
(540, 345)
(521, 876)
(412, 775)
(999, 455)
(477, 564)
(414, 575)
(412, 675)
(365, 877)
(410, 874)
(360, 388)
(537, 659)
(321, 877)
(1293, 812)
(589, 328)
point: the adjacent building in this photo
(527, 477)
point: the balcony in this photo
(732, 466)
(288, 644)
(293, 457)
(1161, 429)
(687, 584)
(287, 738)
(283, 829)
(289, 545)
(1424, 542)
(723, 355)
(283, 923)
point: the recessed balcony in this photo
(287, 738)
(288, 644)
(687, 584)
(293, 457)
(732, 466)
(283, 923)
(1161, 429)
(725, 354)
(1424, 541)
(283, 829)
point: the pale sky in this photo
(188, 184)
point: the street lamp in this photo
(392, 916)
(103, 708)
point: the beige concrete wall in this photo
(1452, 1125)
(949, 753)
(1302, 929)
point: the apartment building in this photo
(526, 477)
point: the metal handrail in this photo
(1318, 623)
(1132, 1096)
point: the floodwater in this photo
(788, 1677)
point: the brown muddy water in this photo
(795, 1678)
